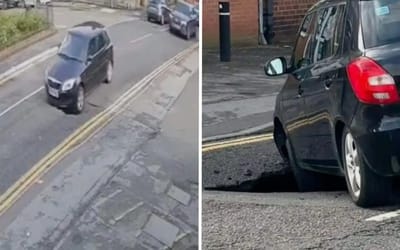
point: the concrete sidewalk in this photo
(237, 96)
(133, 185)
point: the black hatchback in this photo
(84, 59)
(338, 112)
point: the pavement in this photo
(237, 96)
(133, 185)
(250, 201)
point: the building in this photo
(246, 20)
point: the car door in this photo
(293, 104)
(95, 64)
(319, 102)
(101, 57)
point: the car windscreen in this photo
(183, 8)
(380, 21)
(74, 47)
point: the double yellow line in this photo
(236, 142)
(83, 134)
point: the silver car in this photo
(184, 19)
(159, 11)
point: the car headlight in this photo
(69, 84)
(183, 23)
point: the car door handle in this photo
(300, 91)
(328, 83)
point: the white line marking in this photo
(385, 216)
(141, 38)
(20, 101)
(18, 69)
(107, 10)
(60, 26)
(164, 29)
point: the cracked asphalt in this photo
(250, 201)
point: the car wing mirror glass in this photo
(89, 59)
(275, 67)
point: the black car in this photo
(184, 19)
(338, 112)
(84, 59)
(158, 10)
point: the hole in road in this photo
(255, 167)
(279, 182)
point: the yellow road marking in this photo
(236, 142)
(82, 134)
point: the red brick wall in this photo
(244, 22)
(288, 15)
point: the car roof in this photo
(87, 29)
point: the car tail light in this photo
(371, 83)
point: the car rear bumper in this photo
(379, 139)
(177, 27)
(153, 15)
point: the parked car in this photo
(158, 10)
(5, 4)
(184, 19)
(85, 58)
(338, 112)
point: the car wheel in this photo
(79, 104)
(148, 18)
(188, 33)
(365, 187)
(109, 72)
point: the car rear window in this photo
(380, 21)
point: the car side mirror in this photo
(89, 59)
(275, 67)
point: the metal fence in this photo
(43, 10)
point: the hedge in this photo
(16, 27)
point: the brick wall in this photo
(287, 17)
(244, 22)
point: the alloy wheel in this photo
(352, 167)
(81, 99)
(109, 72)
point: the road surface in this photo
(251, 201)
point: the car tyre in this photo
(188, 33)
(109, 72)
(79, 103)
(148, 19)
(162, 20)
(365, 187)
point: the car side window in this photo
(301, 55)
(92, 47)
(328, 32)
(100, 42)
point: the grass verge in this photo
(17, 27)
